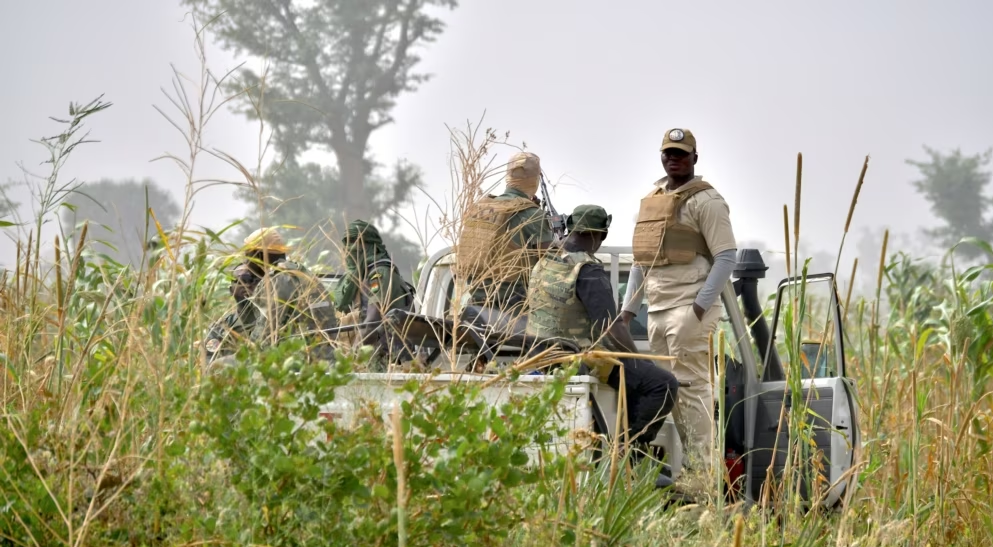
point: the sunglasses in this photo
(246, 277)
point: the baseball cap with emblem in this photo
(682, 139)
(588, 218)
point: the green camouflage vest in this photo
(554, 310)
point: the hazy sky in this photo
(591, 89)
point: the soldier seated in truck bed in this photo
(570, 297)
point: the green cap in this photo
(682, 139)
(588, 218)
(362, 230)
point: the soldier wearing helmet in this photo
(570, 296)
(223, 336)
(289, 300)
(684, 252)
(502, 238)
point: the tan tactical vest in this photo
(659, 238)
(486, 248)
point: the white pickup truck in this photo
(755, 390)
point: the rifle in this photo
(556, 220)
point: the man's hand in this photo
(698, 311)
(626, 317)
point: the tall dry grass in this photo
(101, 385)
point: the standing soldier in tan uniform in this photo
(684, 252)
(502, 239)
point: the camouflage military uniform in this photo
(291, 301)
(570, 297)
(288, 300)
(225, 334)
(372, 278)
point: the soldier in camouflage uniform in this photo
(224, 335)
(570, 297)
(372, 286)
(289, 300)
(502, 238)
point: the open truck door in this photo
(803, 389)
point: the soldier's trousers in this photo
(651, 394)
(678, 333)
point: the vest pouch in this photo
(681, 244)
(655, 212)
(646, 243)
(486, 249)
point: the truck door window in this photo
(814, 330)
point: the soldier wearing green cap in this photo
(289, 299)
(570, 296)
(684, 253)
(372, 285)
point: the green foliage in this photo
(955, 186)
(305, 480)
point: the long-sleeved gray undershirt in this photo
(718, 277)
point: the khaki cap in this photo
(682, 139)
(523, 165)
(266, 239)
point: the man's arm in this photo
(594, 291)
(717, 279)
(634, 294)
(715, 224)
(379, 289)
(536, 230)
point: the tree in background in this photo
(955, 186)
(7, 205)
(304, 195)
(116, 211)
(337, 67)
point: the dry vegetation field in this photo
(114, 433)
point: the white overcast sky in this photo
(590, 86)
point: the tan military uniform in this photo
(673, 328)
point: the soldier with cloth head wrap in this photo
(502, 238)
(372, 285)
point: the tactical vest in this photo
(659, 238)
(486, 248)
(554, 309)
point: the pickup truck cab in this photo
(756, 396)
